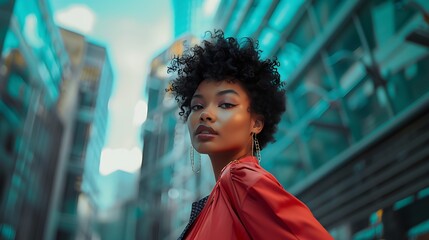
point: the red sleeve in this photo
(266, 210)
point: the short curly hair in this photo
(219, 58)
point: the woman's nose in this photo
(207, 116)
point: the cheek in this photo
(237, 123)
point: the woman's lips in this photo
(205, 136)
(204, 133)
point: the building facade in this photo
(54, 92)
(77, 212)
(33, 67)
(351, 144)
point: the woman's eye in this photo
(226, 105)
(196, 107)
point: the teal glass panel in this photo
(289, 167)
(364, 99)
(7, 232)
(409, 84)
(35, 32)
(345, 50)
(11, 42)
(6, 7)
(382, 19)
(284, 13)
(16, 88)
(326, 136)
(267, 40)
(325, 11)
(289, 58)
(19, 89)
(80, 140)
(237, 14)
(303, 34)
(71, 194)
(284, 124)
(313, 87)
(255, 18)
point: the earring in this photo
(191, 153)
(257, 147)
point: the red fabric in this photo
(247, 202)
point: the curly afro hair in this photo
(219, 58)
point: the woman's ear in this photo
(258, 124)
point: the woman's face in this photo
(220, 121)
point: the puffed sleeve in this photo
(266, 210)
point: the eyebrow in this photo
(223, 92)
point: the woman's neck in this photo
(219, 161)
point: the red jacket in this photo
(248, 202)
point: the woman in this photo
(232, 101)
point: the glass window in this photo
(289, 58)
(312, 88)
(284, 13)
(8, 125)
(80, 140)
(268, 40)
(303, 34)
(326, 137)
(326, 10)
(71, 194)
(6, 5)
(17, 88)
(11, 44)
(284, 124)
(367, 106)
(382, 19)
(86, 99)
(255, 18)
(15, 82)
(236, 17)
(289, 168)
(409, 84)
(35, 33)
(345, 50)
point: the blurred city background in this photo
(91, 146)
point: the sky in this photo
(133, 31)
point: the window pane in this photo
(284, 13)
(409, 84)
(313, 87)
(326, 10)
(268, 39)
(236, 17)
(327, 137)
(303, 35)
(365, 99)
(289, 167)
(383, 19)
(289, 58)
(345, 51)
(255, 17)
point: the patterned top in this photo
(196, 209)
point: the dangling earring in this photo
(191, 153)
(257, 147)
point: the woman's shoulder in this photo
(246, 173)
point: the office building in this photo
(351, 144)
